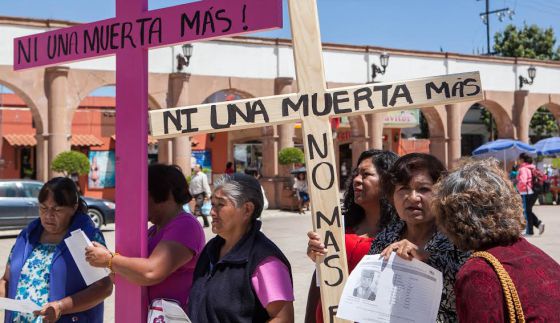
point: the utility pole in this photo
(485, 16)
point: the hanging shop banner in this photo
(101, 169)
(402, 119)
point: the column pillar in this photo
(41, 158)
(438, 149)
(521, 113)
(283, 85)
(270, 151)
(454, 134)
(178, 96)
(165, 151)
(375, 130)
(358, 145)
(57, 95)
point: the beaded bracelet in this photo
(110, 264)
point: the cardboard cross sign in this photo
(313, 106)
(129, 36)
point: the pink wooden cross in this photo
(129, 36)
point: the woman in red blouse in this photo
(479, 210)
(365, 213)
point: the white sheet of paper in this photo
(396, 290)
(77, 243)
(23, 306)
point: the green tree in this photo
(489, 122)
(527, 42)
(291, 155)
(543, 124)
(71, 162)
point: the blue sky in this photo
(432, 25)
(452, 25)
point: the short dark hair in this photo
(64, 192)
(167, 179)
(405, 167)
(526, 158)
(354, 214)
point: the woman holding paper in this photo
(409, 185)
(41, 269)
(479, 209)
(241, 276)
(174, 241)
(365, 212)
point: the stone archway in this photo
(550, 107)
(36, 155)
(436, 128)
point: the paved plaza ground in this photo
(288, 230)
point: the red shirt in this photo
(536, 277)
(356, 248)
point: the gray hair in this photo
(240, 189)
(477, 206)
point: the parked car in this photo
(19, 205)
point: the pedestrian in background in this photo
(525, 176)
(300, 187)
(200, 191)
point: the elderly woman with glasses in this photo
(41, 269)
(479, 210)
(241, 275)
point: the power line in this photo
(485, 16)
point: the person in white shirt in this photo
(200, 191)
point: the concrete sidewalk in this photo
(288, 230)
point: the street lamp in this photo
(532, 71)
(184, 59)
(384, 61)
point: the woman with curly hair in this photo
(365, 212)
(479, 210)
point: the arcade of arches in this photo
(44, 120)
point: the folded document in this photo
(77, 243)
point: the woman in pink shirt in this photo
(174, 241)
(529, 197)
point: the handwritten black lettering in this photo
(155, 29)
(223, 18)
(175, 119)
(320, 217)
(23, 52)
(287, 103)
(361, 95)
(384, 93)
(338, 98)
(330, 176)
(327, 102)
(401, 91)
(339, 271)
(312, 146)
(214, 119)
(468, 84)
(187, 113)
(126, 29)
(330, 240)
(432, 86)
(332, 313)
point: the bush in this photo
(71, 162)
(291, 155)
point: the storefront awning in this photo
(151, 140)
(18, 140)
(86, 140)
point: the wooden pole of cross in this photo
(313, 106)
(129, 36)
